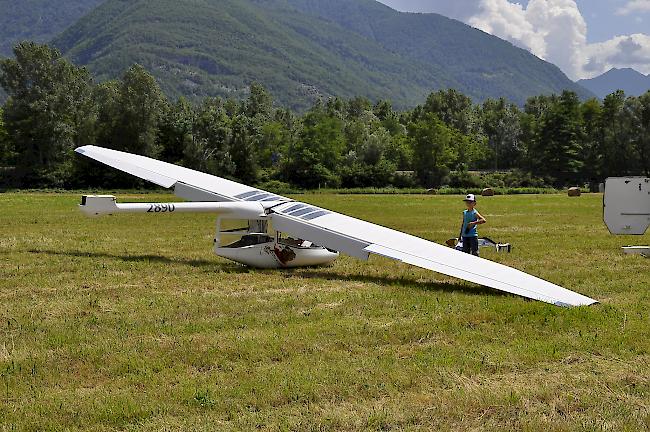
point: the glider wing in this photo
(188, 184)
(359, 238)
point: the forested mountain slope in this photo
(218, 47)
(484, 65)
(38, 20)
(302, 49)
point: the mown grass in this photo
(130, 323)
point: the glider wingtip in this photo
(587, 302)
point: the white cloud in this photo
(556, 31)
(509, 21)
(633, 6)
(622, 51)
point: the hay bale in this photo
(574, 192)
(488, 192)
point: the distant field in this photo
(130, 323)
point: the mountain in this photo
(303, 49)
(632, 82)
(38, 20)
(218, 47)
(484, 65)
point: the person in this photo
(471, 219)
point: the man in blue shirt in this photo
(471, 219)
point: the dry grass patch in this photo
(130, 323)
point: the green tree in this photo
(48, 113)
(272, 142)
(176, 129)
(334, 107)
(431, 141)
(209, 150)
(617, 149)
(6, 145)
(107, 98)
(366, 163)
(356, 107)
(267, 133)
(141, 106)
(561, 133)
(638, 110)
(535, 110)
(243, 150)
(383, 110)
(471, 151)
(453, 108)
(130, 112)
(259, 102)
(592, 146)
(314, 158)
(400, 152)
(501, 125)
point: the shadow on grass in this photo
(400, 282)
(225, 267)
(309, 274)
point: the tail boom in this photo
(101, 205)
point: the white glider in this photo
(312, 225)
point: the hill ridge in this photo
(631, 81)
(304, 49)
(38, 20)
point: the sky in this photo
(585, 38)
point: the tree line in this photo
(54, 106)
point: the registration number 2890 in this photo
(161, 208)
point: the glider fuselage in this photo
(253, 245)
(274, 254)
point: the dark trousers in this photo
(470, 245)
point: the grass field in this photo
(130, 323)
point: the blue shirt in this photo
(469, 216)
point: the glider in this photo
(317, 234)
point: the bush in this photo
(513, 179)
(278, 187)
(362, 175)
(404, 180)
(7, 178)
(370, 191)
(497, 191)
(464, 179)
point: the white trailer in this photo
(626, 209)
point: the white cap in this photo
(470, 197)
